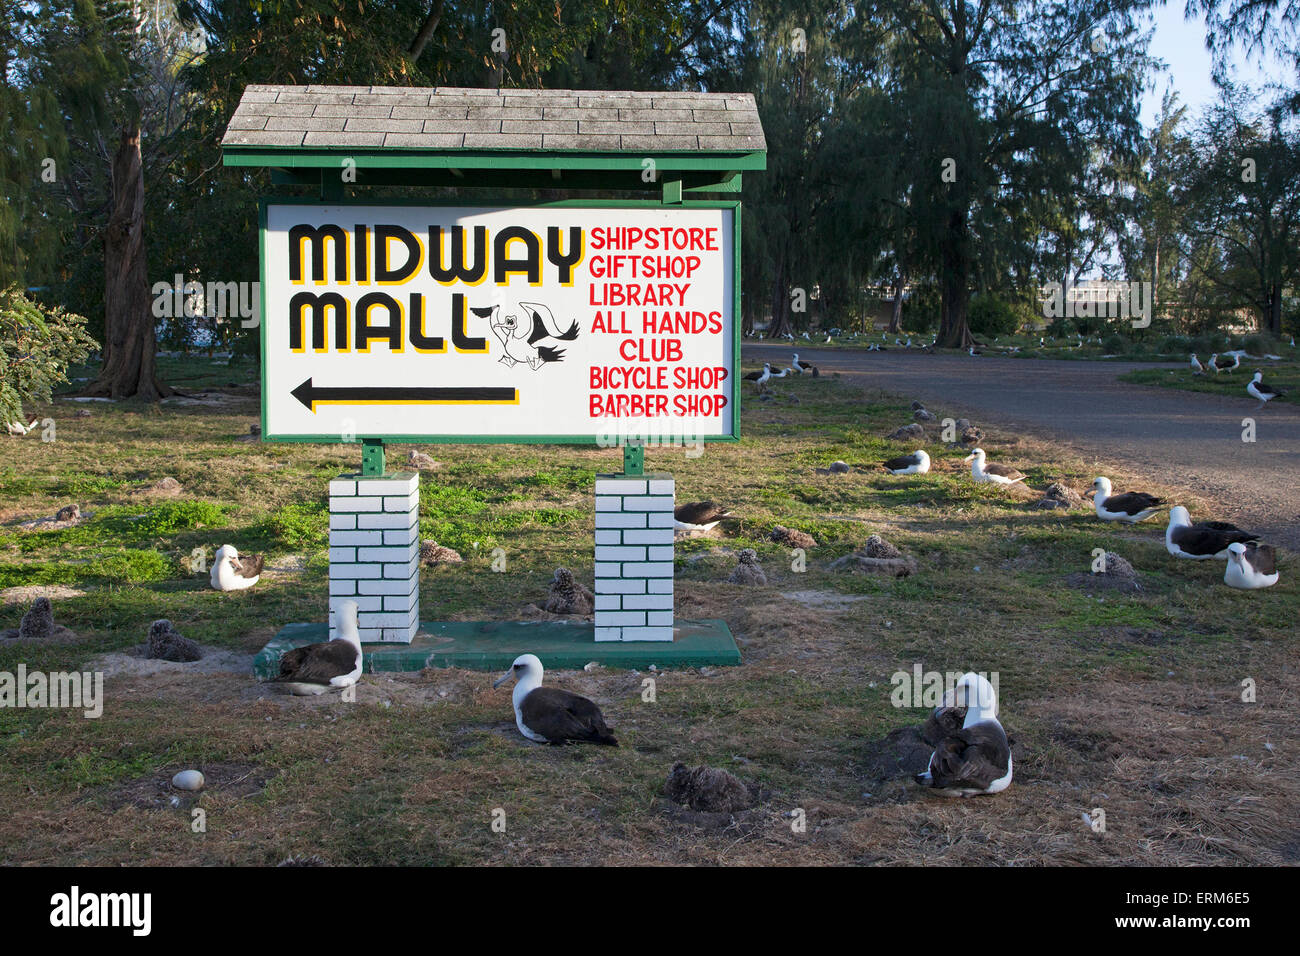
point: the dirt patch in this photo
(223, 781)
(27, 593)
(134, 662)
(825, 599)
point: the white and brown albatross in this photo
(991, 472)
(1130, 507)
(917, 463)
(698, 516)
(1202, 541)
(1250, 566)
(316, 668)
(1258, 388)
(548, 715)
(971, 752)
(231, 572)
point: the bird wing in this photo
(1216, 525)
(317, 663)
(559, 715)
(1196, 539)
(541, 330)
(1131, 502)
(993, 468)
(1261, 557)
(248, 565)
(700, 512)
(902, 461)
(972, 758)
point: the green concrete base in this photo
(493, 645)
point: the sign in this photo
(570, 322)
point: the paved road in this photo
(1184, 439)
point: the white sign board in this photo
(565, 323)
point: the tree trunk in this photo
(426, 31)
(780, 323)
(1275, 309)
(954, 333)
(896, 316)
(129, 346)
(1155, 281)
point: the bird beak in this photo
(503, 678)
(969, 458)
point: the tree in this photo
(36, 347)
(1012, 97)
(1244, 203)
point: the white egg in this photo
(188, 780)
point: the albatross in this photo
(698, 516)
(1130, 507)
(316, 668)
(760, 378)
(917, 463)
(230, 572)
(991, 472)
(1201, 542)
(1258, 389)
(971, 754)
(548, 715)
(1250, 566)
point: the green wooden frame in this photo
(733, 205)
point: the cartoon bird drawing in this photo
(520, 338)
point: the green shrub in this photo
(36, 347)
(1260, 344)
(299, 526)
(174, 516)
(921, 310)
(1113, 344)
(990, 315)
(132, 566)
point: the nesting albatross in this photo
(230, 572)
(1130, 507)
(971, 754)
(1201, 542)
(991, 472)
(549, 715)
(698, 516)
(316, 668)
(917, 463)
(1250, 566)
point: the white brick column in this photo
(375, 553)
(634, 558)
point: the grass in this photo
(1282, 375)
(1127, 702)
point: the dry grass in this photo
(1129, 703)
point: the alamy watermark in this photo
(671, 433)
(58, 689)
(930, 689)
(1109, 300)
(215, 300)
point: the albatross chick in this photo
(567, 595)
(747, 569)
(167, 644)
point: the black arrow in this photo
(311, 396)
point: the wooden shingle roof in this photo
(450, 118)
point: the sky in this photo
(1181, 44)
